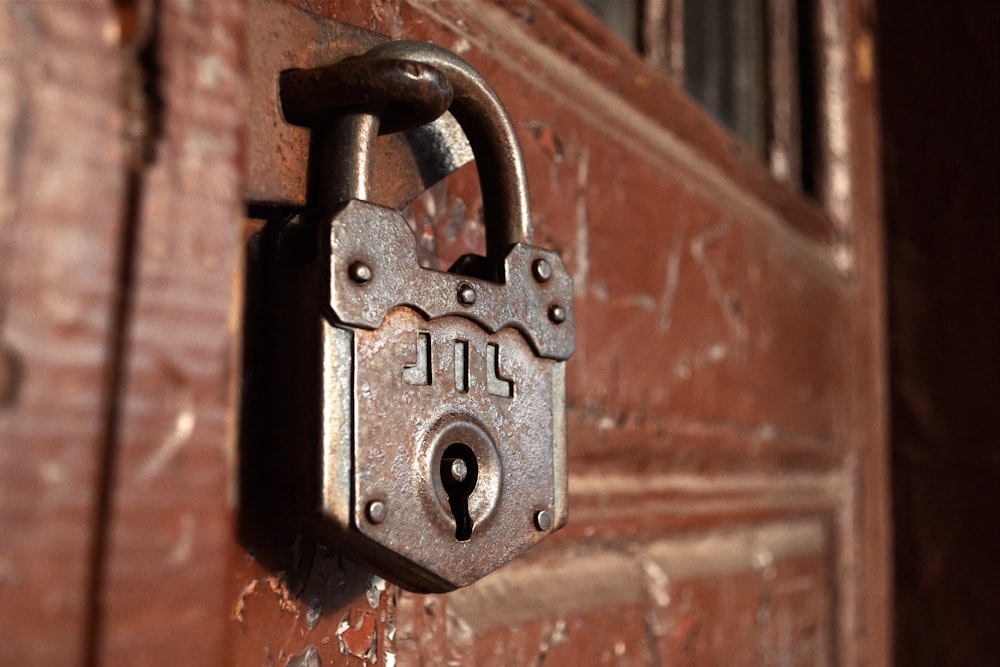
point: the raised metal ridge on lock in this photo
(374, 268)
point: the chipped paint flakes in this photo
(376, 586)
(358, 635)
(308, 658)
(277, 586)
(314, 612)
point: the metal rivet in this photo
(542, 270)
(557, 314)
(376, 511)
(543, 520)
(466, 294)
(359, 272)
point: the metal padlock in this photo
(442, 448)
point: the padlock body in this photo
(396, 374)
(504, 405)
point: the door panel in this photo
(725, 401)
(712, 433)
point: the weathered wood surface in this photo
(725, 399)
(169, 525)
(62, 165)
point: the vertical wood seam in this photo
(140, 106)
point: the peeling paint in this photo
(358, 635)
(308, 658)
(277, 586)
(376, 586)
(314, 612)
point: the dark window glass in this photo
(750, 63)
(725, 64)
(622, 16)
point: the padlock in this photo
(439, 448)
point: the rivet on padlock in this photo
(442, 440)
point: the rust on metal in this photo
(406, 93)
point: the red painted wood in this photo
(163, 593)
(62, 166)
(727, 379)
(725, 403)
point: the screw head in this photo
(376, 511)
(543, 520)
(359, 272)
(557, 314)
(466, 294)
(542, 270)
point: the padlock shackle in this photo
(344, 149)
(426, 79)
(490, 130)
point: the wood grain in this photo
(62, 166)
(169, 529)
(726, 399)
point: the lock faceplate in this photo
(403, 429)
(433, 373)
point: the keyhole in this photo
(459, 473)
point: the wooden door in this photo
(725, 402)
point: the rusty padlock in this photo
(440, 447)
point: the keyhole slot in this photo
(459, 474)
